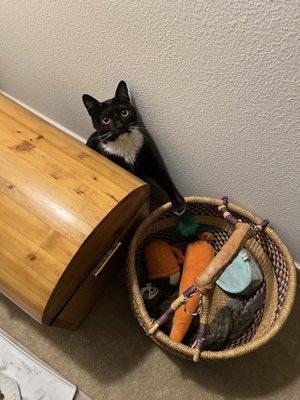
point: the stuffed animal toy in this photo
(163, 261)
(242, 277)
(198, 255)
(232, 320)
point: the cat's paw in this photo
(179, 206)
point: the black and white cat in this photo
(121, 137)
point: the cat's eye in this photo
(124, 113)
(105, 120)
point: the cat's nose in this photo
(118, 124)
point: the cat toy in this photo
(198, 255)
(189, 227)
(163, 261)
(205, 281)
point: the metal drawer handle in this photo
(106, 258)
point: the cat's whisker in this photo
(141, 128)
(147, 138)
(135, 124)
(105, 136)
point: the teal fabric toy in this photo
(188, 226)
(242, 276)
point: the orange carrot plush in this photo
(198, 255)
(163, 260)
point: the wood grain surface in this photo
(61, 206)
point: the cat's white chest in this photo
(127, 145)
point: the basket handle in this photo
(230, 249)
(225, 256)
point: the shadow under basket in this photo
(266, 247)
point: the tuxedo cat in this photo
(121, 138)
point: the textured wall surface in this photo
(213, 80)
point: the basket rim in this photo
(184, 350)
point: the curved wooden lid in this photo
(61, 206)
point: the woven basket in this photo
(266, 247)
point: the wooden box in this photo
(64, 210)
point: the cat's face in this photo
(112, 117)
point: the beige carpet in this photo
(110, 358)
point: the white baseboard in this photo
(51, 121)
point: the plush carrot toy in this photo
(198, 255)
(163, 260)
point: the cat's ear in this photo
(91, 104)
(122, 92)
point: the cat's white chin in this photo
(127, 145)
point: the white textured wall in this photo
(213, 80)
